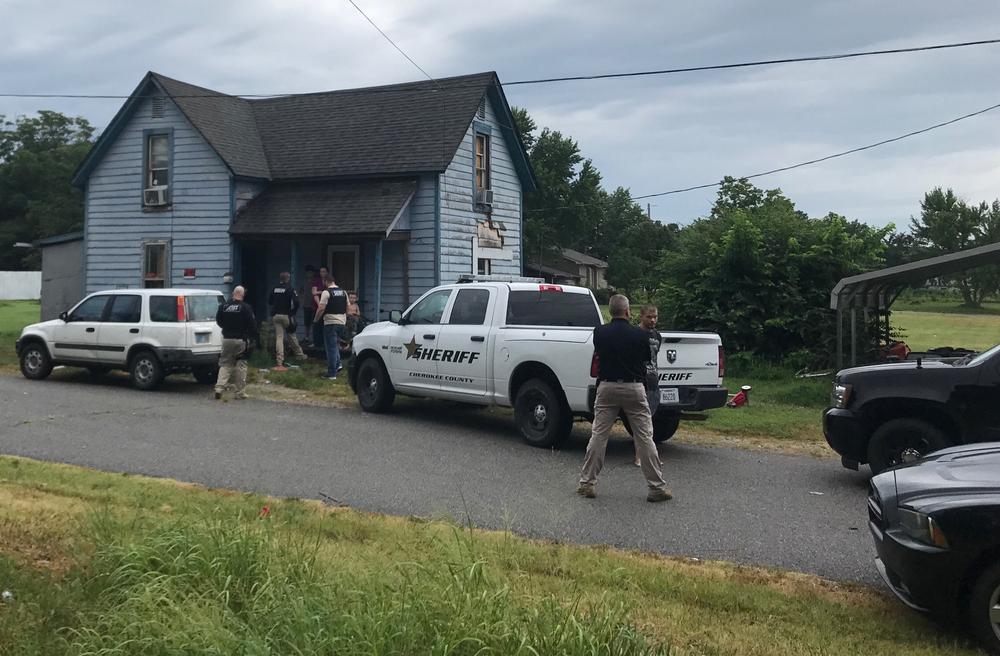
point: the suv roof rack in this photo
(466, 278)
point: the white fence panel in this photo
(20, 285)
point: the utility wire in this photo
(408, 58)
(764, 62)
(794, 166)
(405, 89)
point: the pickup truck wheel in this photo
(375, 390)
(206, 375)
(984, 609)
(665, 425)
(903, 440)
(540, 414)
(145, 371)
(35, 362)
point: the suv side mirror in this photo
(396, 316)
(64, 316)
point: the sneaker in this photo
(280, 367)
(586, 490)
(328, 377)
(659, 494)
(218, 395)
(241, 397)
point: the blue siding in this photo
(422, 250)
(458, 221)
(196, 226)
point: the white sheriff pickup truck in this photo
(523, 344)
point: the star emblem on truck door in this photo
(411, 347)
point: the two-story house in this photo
(395, 189)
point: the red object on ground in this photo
(739, 399)
(265, 512)
(898, 350)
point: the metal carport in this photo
(875, 291)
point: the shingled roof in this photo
(358, 207)
(397, 129)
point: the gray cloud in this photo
(647, 134)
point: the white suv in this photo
(148, 332)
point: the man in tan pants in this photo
(284, 304)
(239, 327)
(623, 352)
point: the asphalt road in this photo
(439, 459)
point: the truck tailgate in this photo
(689, 359)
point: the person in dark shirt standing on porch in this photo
(284, 304)
(623, 354)
(316, 287)
(333, 312)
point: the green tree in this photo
(948, 224)
(38, 156)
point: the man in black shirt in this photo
(239, 326)
(284, 304)
(623, 352)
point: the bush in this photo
(602, 295)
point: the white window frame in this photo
(487, 173)
(148, 183)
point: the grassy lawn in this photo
(924, 330)
(115, 564)
(14, 315)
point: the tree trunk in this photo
(968, 294)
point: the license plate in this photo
(202, 338)
(670, 395)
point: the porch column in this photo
(295, 263)
(378, 280)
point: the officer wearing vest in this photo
(239, 327)
(623, 352)
(332, 309)
(284, 304)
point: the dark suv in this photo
(889, 414)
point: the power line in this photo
(765, 62)
(794, 166)
(408, 58)
(668, 71)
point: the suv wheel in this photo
(541, 415)
(35, 361)
(145, 371)
(984, 609)
(375, 391)
(206, 375)
(903, 440)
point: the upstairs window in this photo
(157, 175)
(482, 161)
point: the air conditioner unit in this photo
(484, 198)
(155, 197)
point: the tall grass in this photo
(241, 587)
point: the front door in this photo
(120, 329)
(412, 357)
(464, 341)
(342, 261)
(76, 338)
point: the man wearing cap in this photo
(623, 353)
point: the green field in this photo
(14, 315)
(123, 565)
(924, 330)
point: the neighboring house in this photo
(395, 189)
(572, 268)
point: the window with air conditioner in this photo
(156, 183)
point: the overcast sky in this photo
(647, 134)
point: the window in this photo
(157, 175)
(470, 307)
(482, 161)
(125, 309)
(483, 266)
(91, 309)
(154, 265)
(203, 307)
(163, 309)
(430, 308)
(551, 308)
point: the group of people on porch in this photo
(331, 318)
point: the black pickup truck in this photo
(889, 414)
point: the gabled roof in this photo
(352, 207)
(400, 129)
(582, 258)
